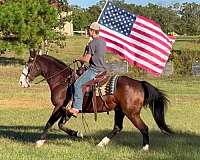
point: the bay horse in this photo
(127, 100)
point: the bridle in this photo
(51, 76)
(29, 69)
(55, 74)
(68, 66)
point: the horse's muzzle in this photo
(24, 84)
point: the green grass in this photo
(23, 126)
(24, 112)
(186, 45)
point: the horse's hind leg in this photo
(134, 117)
(118, 126)
(63, 121)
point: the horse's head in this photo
(30, 70)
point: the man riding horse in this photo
(94, 55)
(126, 99)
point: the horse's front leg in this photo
(57, 113)
(61, 124)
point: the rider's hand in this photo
(76, 60)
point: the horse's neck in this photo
(54, 73)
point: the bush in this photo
(183, 60)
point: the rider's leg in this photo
(78, 94)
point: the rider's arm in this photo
(85, 58)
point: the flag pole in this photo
(90, 39)
(102, 10)
(99, 17)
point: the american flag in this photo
(137, 39)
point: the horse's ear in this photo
(33, 53)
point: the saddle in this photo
(93, 87)
(98, 81)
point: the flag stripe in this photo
(156, 32)
(133, 50)
(153, 37)
(142, 40)
(153, 26)
(149, 22)
(133, 54)
(137, 60)
(135, 43)
(140, 65)
(121, 45)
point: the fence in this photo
(196, 68)
(118, 67)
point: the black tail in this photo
(157, 102)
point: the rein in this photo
(54, 74)
(26, 75)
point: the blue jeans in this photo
(88, 75)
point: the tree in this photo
(191, 18)
(166, 17)
(80, 18)
(26, 24)
(101, 3)
(94, 12)
(60, 4)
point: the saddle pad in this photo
(108, 88)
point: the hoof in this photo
(79, 135)
(104, 142)
(39, 143)
(146, 147)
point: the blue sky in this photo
(87, 3)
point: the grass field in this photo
(24, 112)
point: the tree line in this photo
(27, 23)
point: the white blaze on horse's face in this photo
(24, 80)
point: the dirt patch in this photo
(25, 103)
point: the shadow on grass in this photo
(28, 134)
(11, 61)
(158, 141)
